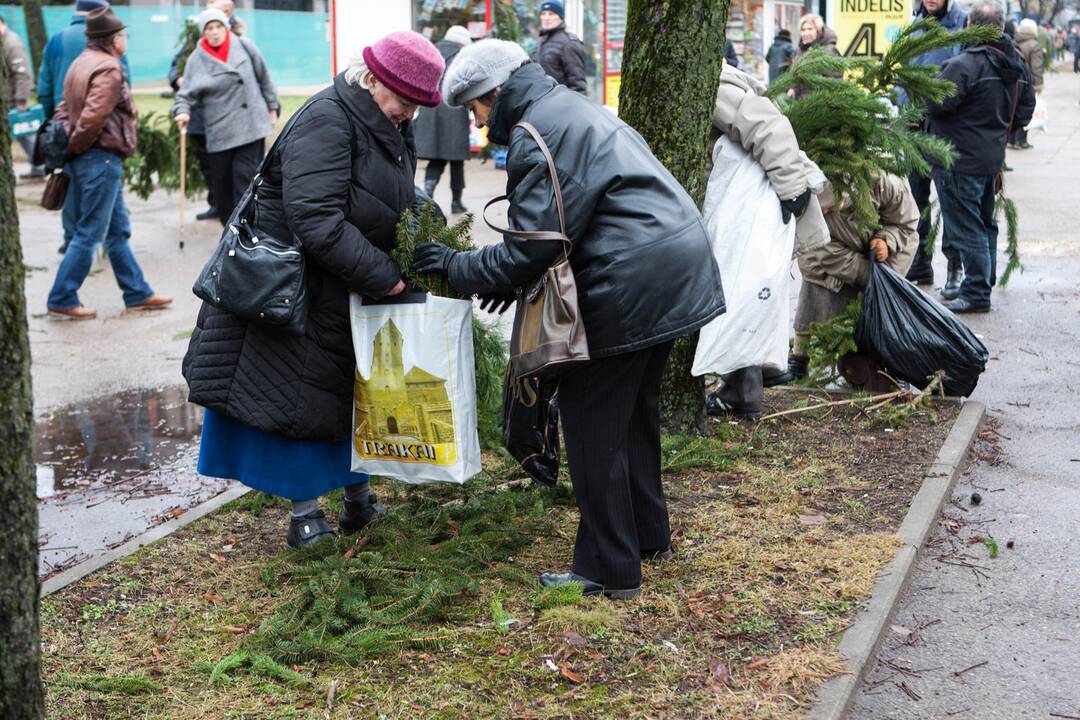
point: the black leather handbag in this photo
(253, 274)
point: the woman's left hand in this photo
(273, 118)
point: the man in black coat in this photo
(994, 92)
(560, 53)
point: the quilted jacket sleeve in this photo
(316, 169)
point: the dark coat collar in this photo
(526, 85)
(363, 110)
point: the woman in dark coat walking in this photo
(279, 406)
(442, 133)
(227, 81)
(645, 276)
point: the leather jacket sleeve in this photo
(102, 97)
(515, 262)
(316, 169)
(573, 61)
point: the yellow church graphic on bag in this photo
(401, 416)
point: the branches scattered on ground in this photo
(829, 341)
(1012, 233)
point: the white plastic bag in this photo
(1038, 118)
(414, 404)
(753, 249)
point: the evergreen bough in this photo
(156, 164)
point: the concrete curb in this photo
(154, 534)
(862, 638)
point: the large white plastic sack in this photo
(753, 249)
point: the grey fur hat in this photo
(210, 15)
(479, 69)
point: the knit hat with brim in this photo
(458, 34)
(408, 64)
(210, 15)
(479, 69)
(102, 23)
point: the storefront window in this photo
(433, 18)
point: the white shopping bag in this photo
(1038, 118)
(414, 404)
(753, 249)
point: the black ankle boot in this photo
(456, 206)
(308, 530)
(429, 187)
(951, 290)
(921, 271)
(355, 516)
(798, 366)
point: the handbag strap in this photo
(551, 235)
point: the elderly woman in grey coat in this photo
(227, 78)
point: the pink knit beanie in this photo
(407, 63)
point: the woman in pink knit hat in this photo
(278, 406)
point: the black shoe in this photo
(921, 271)
(1025, 146)
(960, 306)
(63, 247)
(356, 516)
(657, 555)
(456, 208)
(716, 407)
(1005, 168)
(591, 588)
(955, 278)
(210, 213)
(771, 377)
(308, 530)
(798, 366)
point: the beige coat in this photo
(1027, 42)
(756, 124)
(845, 259)
(19, 75)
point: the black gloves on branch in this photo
(433, 258)
(795, 206)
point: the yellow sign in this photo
(866, 28)
(612, 85)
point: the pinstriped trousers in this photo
(610, 412)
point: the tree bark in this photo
(673, 58)
(35, 30)
(20, 651)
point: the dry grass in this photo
(773, 555)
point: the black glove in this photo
(432, 258)
(491, 302)
(796, 206)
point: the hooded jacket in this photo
(1031, 50)
(953, 19)
(756, 124)
(826, 40)
(976, 119)
(845, 259)
(562, 55)
(641, 256)
(338, 182)
(780, 56)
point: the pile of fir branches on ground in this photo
(490, 353)
(829, 341)
(846, 119)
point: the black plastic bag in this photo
(913, 337)
(530, 425)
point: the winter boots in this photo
(921, 271)
(951, 290)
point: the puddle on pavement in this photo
(113, 439)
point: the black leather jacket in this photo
(562, 55)
(645, 272)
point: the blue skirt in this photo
(293, 469)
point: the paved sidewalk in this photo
(1018, 614)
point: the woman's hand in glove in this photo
(433, 258)
(880, 249)
(496, 302)
(795, 206)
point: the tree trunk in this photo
(20, 652)
(673, 57)
(35, 30)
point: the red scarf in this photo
(221, 52)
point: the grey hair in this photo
(357, 74)
(988, 12)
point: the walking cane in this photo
(183, 181)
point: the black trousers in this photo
(457, 173)
(610, 410)
(920, 190)
(201, 157)
(230, 173)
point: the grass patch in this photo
(779, 530)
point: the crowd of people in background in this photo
(278, 405)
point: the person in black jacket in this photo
(781, 54)
(442, 133)
(645, 276)
(993, 92)
(560, 53)
(279, 406)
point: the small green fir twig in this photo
(1006, 206)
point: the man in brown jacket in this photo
(834, 273)
(99, 115)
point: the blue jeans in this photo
(967, 216)
(97, 177)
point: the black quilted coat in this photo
(339, 182)
(644, 268)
